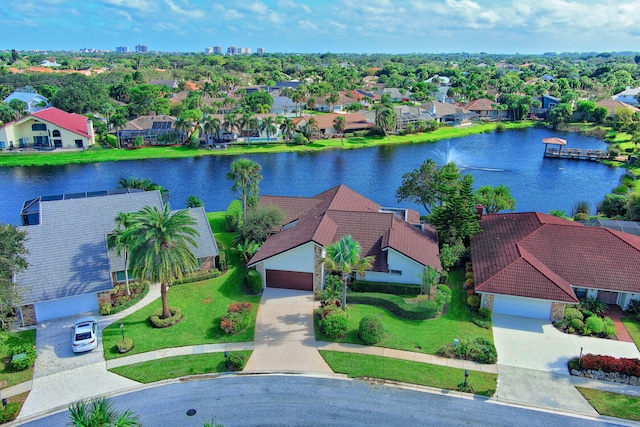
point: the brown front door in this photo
(609, 297)
(290, 280)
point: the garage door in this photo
(525, 307)
(66, 307)
(290, 280)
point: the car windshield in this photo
(83, 336)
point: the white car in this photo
(85, 335)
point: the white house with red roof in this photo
(292, 258)
(48, 129)
(532, 264)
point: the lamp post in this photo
(226, 359)
(122, 330)
(466, 375)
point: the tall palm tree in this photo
(182, 126)
(311, 128)
(269, 126)
(287, 127)
(212, 126)
(117, 240)
(230, 122)
(246, 178)
(100, 413)
(332, 99)
(345, 256)
(340, 124)
(160, 249)
(118, 121)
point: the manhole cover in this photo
(191, 412)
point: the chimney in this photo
(433, 108)
(479, 210)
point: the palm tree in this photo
(269, 125)
(430, 279)
(194, 202)
(345, 256)
(160, 249)
(211, 126)
(100, 413)
(117, 240)
(182, 125)
(310, 129)
(118, 121)
(246, 177)
(230, 122)
(287, 127)
(331, 100)
(386, 118)
(340, 124)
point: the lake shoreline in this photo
(100, 154)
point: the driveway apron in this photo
(532, 362)
(284, 337)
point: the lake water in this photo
(513, 158)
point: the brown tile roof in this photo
(339, 211)
(353, 120)
(482, 104)
(541, 256)
(613, 105)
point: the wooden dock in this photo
(576, 154)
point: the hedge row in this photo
(621, 365)
(197, 276)
(233, 216)
(395, 304)
(385, 288)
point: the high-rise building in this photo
(260, 51)
(217, 50)
(142, 48)
(244, 51)
(208, 50)
(122, 49)
(232, 50)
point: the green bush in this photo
(593, 305)
(385, 288)
(336, 325)
(157, 322)
(236, 361)
(443, 296)
(473, 301)
(124, 304)
(468, 275)
(609, 327)
(124, 346)
(23, 363)
(237, 319)
(595, 324)
(396, 305)
(197, 276)
(371, 330)
(613, 205)
(574, 363)
(621, 189)
(233, 216)
(105, 308)
(112, 140)
(478, 349)
(577, 323)
(332, 288)
(581, 216)
(571, 313)
(484, 312)
(253, 281)
(633, 309)
(587, 313)
(9, 412)
(480, 321)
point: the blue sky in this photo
(357, 26)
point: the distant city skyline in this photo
(311, 26)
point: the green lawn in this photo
(101, 154)
(175, 367)
(362, 365)
(7, 341)
(613, 404)
(633, 326)
(202, 304)
(425, 336)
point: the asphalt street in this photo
(280, 400)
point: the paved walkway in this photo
(284, 338)
(616, 314)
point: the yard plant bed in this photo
(425, 336)
(613, 404)
(8, 340)
(176, 367)
(121, 301)
(363, 365)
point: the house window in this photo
(56, 133)
(41, 141)
(580, 292)
(79, 143)
(38, 127)
(398, 272)
(120, 276)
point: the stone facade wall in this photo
(260, 269)
(318, 268)
(104, 298)
(557, 311)
(487, 301)
(207, 263)
(28, 315)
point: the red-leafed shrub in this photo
(240, 307)
(611, 364)
(237, 319)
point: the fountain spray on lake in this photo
(451, 155)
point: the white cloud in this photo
(307, 24)
(143, 5)
(192, 13)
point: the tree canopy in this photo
(12, 261)
(495, 199)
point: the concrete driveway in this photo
(532, 362)
(284, 338)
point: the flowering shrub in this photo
(240, 307)
(237, 318)
(621, 365)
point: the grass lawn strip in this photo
(7, 341)
(633, 326)
(363, 365)
(175, 367)
(202, 304)
(424, 336)
(100, 154)
(613, 404)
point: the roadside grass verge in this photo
(102, 154)
(175, 367)
(363, 365)
(202, 304)
(633, 326)
(424, 336)
(7, 341)
(613, 404)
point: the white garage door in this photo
(525, 307)
(66, 307)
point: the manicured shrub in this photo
(157, 322)
(609, 327)
(105, 308)
(571, 313)
(233, 216)
(633, 309)
(468, 275)
(21, 363)
(10, 412)
(253, 282)
(473, 301)
(236, 361)
(237, 319)
(443, 296)
(197, 276)
(371, 330)
(577, 323)
(621, 189)
(613, 205)
(478, 349)
(420, 311)
(336, 325)
(481, 321)
(332, 288)
(593, 305)
(587, 313)
(574, 363)
(124, 346)
(484, 312)
(385, 288)
(611, 364)
(581, 216)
